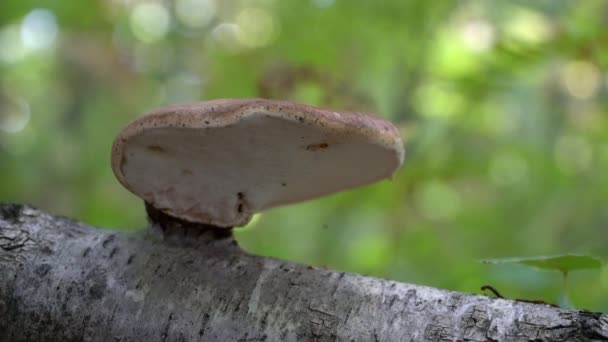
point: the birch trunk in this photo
(62, 280)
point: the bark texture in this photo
(61, 280)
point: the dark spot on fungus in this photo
(283, 184)
(316, 147)
(186, 172)
(156, 148)
(240, 208)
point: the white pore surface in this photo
(222, 175)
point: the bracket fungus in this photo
(219, 162)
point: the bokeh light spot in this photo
(478, 35)
(529, 27)
(150, 22)
(14, 114)
(258, 27)
(225, 34)
(195, 13)
(11, 46)
(580, 79)
(436, 100)
(39, 29)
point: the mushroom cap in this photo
(219, 162)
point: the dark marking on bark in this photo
(113, 252)
(238, 305)
(350, 311)
(165, 333)
(112, 316)
(11, 212)
(106, 242)
(86, 252)
(156, 269)
(130, 260)
(392, 302)
(83, 329)
(264, 321)
(46, 250)
(42, 270)
(97, 290)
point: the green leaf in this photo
(564, 263)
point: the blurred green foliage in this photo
(564, 263)
(502, 106)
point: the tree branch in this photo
(61, 280)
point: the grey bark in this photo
(62, 280)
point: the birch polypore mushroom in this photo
(219, 162)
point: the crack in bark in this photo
(166, 328)
(12, 239)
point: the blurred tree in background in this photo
(502, 106)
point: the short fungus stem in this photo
(171, 225)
